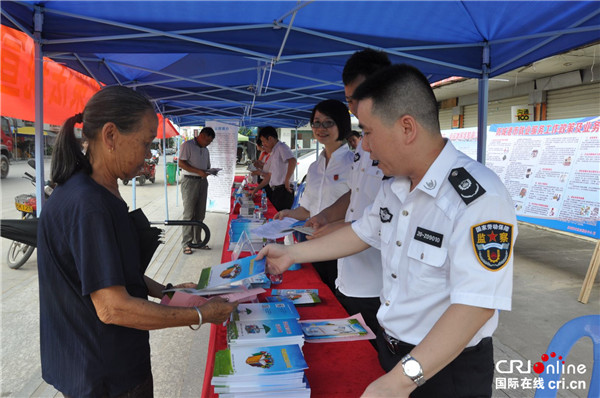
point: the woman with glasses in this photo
(328, 177)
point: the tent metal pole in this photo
(39, 112)
(482, 106)
(165, 162)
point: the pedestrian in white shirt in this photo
(446, 228)
(328, 177)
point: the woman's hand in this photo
(217, 310)
(281, 214)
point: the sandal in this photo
(187, 250)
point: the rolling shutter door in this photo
(498, 111)
(445, 119)
(578, 101)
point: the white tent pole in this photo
(482, 105)
(165, 162)
(39, 112)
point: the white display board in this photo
(550, 168)
(223, 153)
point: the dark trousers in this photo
(366, 306)
(194, 192)
(470, 375)
(281, 198)
(143, 390)
(327, 270)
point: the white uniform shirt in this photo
(195, 155)
(438, 250)
(277, 163)
(326, 183)
(360, 275)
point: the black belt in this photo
(395, 345)
(196, 177)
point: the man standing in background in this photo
(194, 159)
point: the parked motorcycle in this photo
(148, 172)
(19, 252)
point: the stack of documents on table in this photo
(261, 311)
(266, 332)
(247, 225)
(331, 330)
(260, 371)
(296, 296)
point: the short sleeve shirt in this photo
(359, 275)
(277, 163)
(86, 242)
(442, 245)
(325, 183)
(195, 155)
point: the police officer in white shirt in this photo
(278, 169)
(359, 280)
(328, 177)
(446, 228)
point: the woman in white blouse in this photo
(328, 177)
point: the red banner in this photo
(65, 91)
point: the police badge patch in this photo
(385, 215)
(356, 157)
(492, 242)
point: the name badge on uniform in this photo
(492, 242)
(429, 237)
(356, 157)
(385, 215)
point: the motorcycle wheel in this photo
(141, 180)
(125, 182)
(152, 179)
(18, 254)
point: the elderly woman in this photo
(94, 307)
(327, 177)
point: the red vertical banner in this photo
(65, 90)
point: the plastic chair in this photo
(562, 342)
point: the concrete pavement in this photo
(549, 271)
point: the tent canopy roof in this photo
(270, 62)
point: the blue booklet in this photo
(264, 311)
(265, 332)
(243, 362)
(297, 296)
(228, 273)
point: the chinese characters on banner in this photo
(550, 168)
(223, 151)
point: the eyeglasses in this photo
(326, 124)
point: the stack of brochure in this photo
(297, 296)
(267, 332)
(260, 311)
(260, 371)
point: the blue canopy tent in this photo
(269, 62)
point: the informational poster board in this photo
(550, 168)
(223, 152)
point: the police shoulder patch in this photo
(356, 157)
(492, 242)
(385, 215)
(467, 187)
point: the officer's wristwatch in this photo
(412, 369)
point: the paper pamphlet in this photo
(228, 273)
(213, 171)
(275, 229)
(330, 330)
(259, 311)
(295, 296)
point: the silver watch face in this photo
(412, 368)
